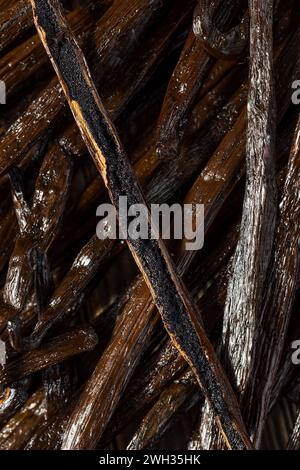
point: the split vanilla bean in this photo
(111, 161)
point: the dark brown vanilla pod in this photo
(14, 22)
(18, 430)
(253, 254)
(155, 423)
(12, 399)
(28, 60)
(188, 77)
(226, 45)
(114, 374)
(150, 255)
(168, 367)
(281, 290)
(41, 111)
(190, 72)
(55, 351)
(85, 266)
(47, 108)
(154, 47)
(59, 381)
(65, 296)
(22, 209)
(39, 224)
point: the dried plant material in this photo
(105, 148)
(93, 353)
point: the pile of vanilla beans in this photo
(107, 344)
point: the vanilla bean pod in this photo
(40, 113)
(46, 109)
(189, 74)
(12, 213)
(39, 226)
(65, 296)
(156, 421)
(160, 188)
(253, 252)
(12, 399)
(28, 59)
(18, 430)
(245, 289)
(21, 207)
(226, 45)
(186, 81)
(103, 144)
(14, 22)
(59, 381)
(56, 350)
(281, 290)
(152, 51)
(103, 364)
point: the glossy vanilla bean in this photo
(104, 146)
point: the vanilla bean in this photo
(189, 74)
(226, 45)
(14, 22)
(46, 110)
(40, 222)
(210, 201)
(281, 290)
(188, 77)
(12, 399)
(20, 204)
(28, 59)
(245, 289)
(253, 253)
(157, 419)
(174, 82)
(111, 161)
(55, 351)
(18, 430)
